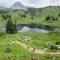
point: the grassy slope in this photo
(38, 39)
(18, 50)
(38, 18)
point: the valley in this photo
(30, 33)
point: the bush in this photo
(8, 50)
(53, 47)
(32, 18)
(23, 16)
(47, 18)
(54, 18)
(57, 43)
(6, 16)
(59, 14)
(51, 18)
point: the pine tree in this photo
(11, 27)
(15, 27)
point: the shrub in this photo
(47, 18)
(53, 47)
(4, 16)
(51, 18)
(8, 50)
(59, 14)
(57, 43)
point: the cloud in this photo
(38, 3)
(32, 3)
(55, 2)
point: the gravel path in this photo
(30, 49)
(36, 51)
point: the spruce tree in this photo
(15, 27)
(11, 27)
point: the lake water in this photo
(27, 29)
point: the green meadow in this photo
(17, 51)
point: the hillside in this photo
(37, 15)
(2, 8)
(41, 13)
(51, 10)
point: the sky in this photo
(31, 3)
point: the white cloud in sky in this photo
(33, 3)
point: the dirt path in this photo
(37, 51)
(30, 49)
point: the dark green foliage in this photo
(10, 27)
(23, 16)
(59, 14)
(32, 18)
(54, 18)
(53, 47)
(4, 16)
(48, 27)
(15, 27)
(47, 18)
(9, 16)
(2, 11)
(8, 50)
(51, 18)
(57, 43)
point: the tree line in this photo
(52, 18)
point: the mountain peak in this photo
(17, 5)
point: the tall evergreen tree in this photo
(15, 27)
(11, 27)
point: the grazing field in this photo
(16, 51)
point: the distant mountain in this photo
(5, 8)
(2, 8)
(18, 5)
(49, 10)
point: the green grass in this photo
(18, 51)
(38, 39)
